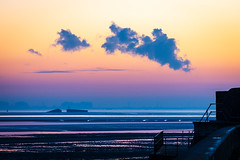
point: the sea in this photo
(96, 134)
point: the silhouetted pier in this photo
(212, 140)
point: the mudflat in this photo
(77, 146)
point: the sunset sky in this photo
(118, 54)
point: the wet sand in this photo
(100, 136)
(77, 146)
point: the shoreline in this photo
(94, 132)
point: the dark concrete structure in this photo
(222, 144)
(218, 139)
(227, 114)
(228, 105)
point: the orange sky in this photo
(207, 33)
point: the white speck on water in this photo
(217, 138)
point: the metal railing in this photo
(224, 112)
(172, 143)
(158, 142)
(207, 114)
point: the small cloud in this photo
(55, 71)
(70, 42)
(34, 52)
(160, 48)
(98, 69)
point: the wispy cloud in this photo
(98, 69)
(160, 48)
(34, 52)
(54, 71)
(70, 42)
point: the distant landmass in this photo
(4, 105)
(76, 110)
(21, 105)
(55, 111)
(68, 111)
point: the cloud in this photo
(160, 48)
(55, 71)
(98, 69)
(102, 69)
(70, 42)
(34, 52)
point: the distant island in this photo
(76, 110)
(68, 111)
(55, 111)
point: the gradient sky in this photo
(35, 68)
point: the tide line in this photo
(87, 116)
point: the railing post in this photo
(165, 146)
(177, 145)
(158, 142)
(182, 137)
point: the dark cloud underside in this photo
(160, 48)
(70, 42)
(34, 52)
(99, 69)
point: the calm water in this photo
(99, 120)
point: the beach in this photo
(99, 136)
